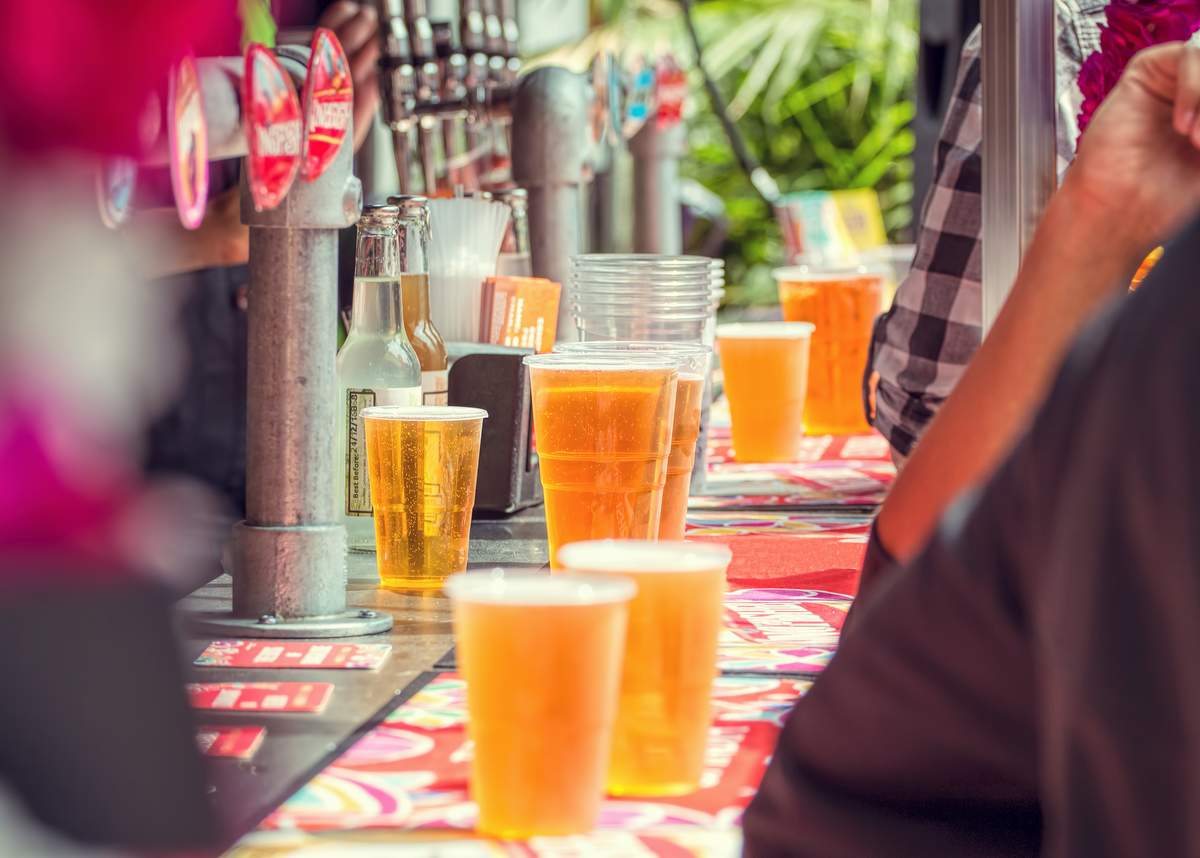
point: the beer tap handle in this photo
(494, 33)
(397, 84)
(424, 53)
(512, 36)
(470, 21)
(397, 77)
(420, 30)
(453, 63)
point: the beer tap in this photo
(479, 80)
(501, 74)
(474, 42)
(398, 85)
(512, 39)
(429, 88)
(494, 39)
(454, 70)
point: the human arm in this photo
(161, 246)
(1135, 180)
(356, 26)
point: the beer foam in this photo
(835, 274)
(446, 413)
(766, 331)
(611, 555)
(601, 361)
(499, 587)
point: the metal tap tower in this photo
(1018, 137)
(289, 555)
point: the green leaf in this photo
(258, 25)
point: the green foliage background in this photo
(821, 90)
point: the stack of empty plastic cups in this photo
(643, 297)
(649, 298)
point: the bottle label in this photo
(358, 487)
(435, 387)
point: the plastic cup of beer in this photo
(694, 362)
(843, 304)
(423, 461)
(603, 425)
(766, 382)
(664, 709)
(541, 655)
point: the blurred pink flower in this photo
(1132, 25)
(55, 500)
(78, 73)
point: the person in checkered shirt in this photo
(923, 344)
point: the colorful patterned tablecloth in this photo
(777, 631)
(787, 549)
(798, 532)
(406, 780)
(771, 631)
(832, 472)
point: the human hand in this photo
(357, 27)
(224, 240)
(1137, 172)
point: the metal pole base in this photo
(290, 582)
(345, 625)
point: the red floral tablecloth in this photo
(797, 531)
(406, 781)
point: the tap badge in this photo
(116, 181)
(328, 104)
(671, 90)
(187, 137)
(273, 128)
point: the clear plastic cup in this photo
(603, 425)
(843, 303)
(766, 381)
(897, 259)
(664, 711)
(694, 362)
(542, 658)
(423, 462)
(695, 330)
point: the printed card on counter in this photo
(297, 654)
(520, 312)
(260, 696)
(238, 743)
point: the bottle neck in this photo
(377, 307)
(412, 245)
(376, 253)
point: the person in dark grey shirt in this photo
(1026, 684)
(1029, 682)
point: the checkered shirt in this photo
(922, 345)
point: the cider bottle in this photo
(413, 257)
(376, 365)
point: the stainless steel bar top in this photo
(297, 746)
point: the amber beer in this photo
(664, 708)
(603, 426)
(685, 430)
(541, 655)
(766, 381)
(423, 461)
(843, 305)
(694, 361)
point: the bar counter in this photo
(385, 766)
(297, 747)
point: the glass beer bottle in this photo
(426, 341)
(375, 366)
